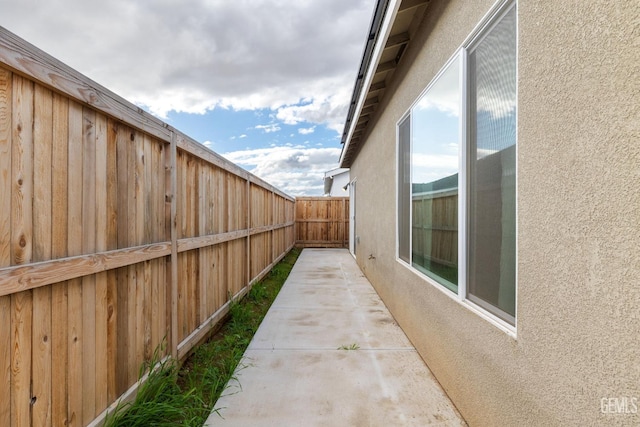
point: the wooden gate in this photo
(322, 222)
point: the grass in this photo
(353, 346)
(185, 395)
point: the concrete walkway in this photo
(328, 353)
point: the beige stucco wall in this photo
(578, 301)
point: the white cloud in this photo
(273, 127)
(298, 59)
(306, 131)
(444, 95)
(296, 170)
(329, 109)
(430, 166)
(194, 55)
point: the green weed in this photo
(353, 346)
(185, 395)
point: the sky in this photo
(265, 83)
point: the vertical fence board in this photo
(59, 316)
(146, 311)
(5, 171)
(139, 318)
(75, 180)
(21, 312)
(220, 269)
(154, 310)
(221, 211)
(112, 337)
(132, 188)
(122, 329)
(181, 285)
(21, 247)
(43, 138)
(131, 323)
(88, 282)
(5, 243)
(189, 294)
(74, 369)
(172, 273)
(74, 247)
(141, 283)
(101, 230)
(162, 235)
(42, 231)
(147, 191)
(203, 210)
(156, 175)
(5, 360)
(41, 345)
(59, 179)
(210, 283)
(194, 271)
(22, 172)
(59, 354)
(148, 222)
(231, 203)
(122, 280)
(182, 214)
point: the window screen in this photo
(492, 169)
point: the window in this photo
(434, 178)
(457, 173)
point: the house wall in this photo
(578, 292)
(339, 182)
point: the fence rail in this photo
(116, 232)
(322, 222)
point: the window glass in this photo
(404, 187)
(460, 169)
(434, 178)
(492, 169)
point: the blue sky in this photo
(265, 83)
(226, 130)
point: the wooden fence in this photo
(116, 232)
(322, 222)
(435, 228)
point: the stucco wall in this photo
(578, 294)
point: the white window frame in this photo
(490, 20)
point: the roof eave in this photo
(393, 25)
(379, 23)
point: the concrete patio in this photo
(329, 353)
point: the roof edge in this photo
(380, 23)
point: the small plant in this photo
(159, 401)
(185, 395)
(258, 293)
(353, 346)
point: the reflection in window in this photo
(457, 166)
(492, 169)
(404, 187)
(434, 178)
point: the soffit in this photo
(405, 23)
